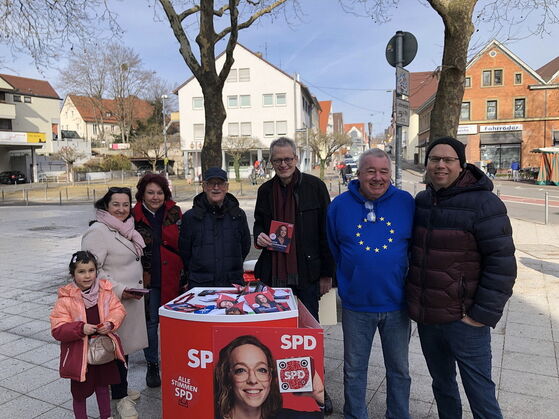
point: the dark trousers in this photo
(444, 346)
(119, 391)
(309, 296)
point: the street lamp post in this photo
(306, 158)
(163, 97)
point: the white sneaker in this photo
(133, 394)
(126, 409)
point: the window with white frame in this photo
(233, 129)
(232, 77)
(233, 101)
(268, 99)
(519, 108)
(281, 127)
(268, 128)
(244, 74)
(198, 131)
(280, 99)
(245, 101)
(27, 99)
(246, 129)
(197, 102)
(17, 98)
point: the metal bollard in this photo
(88, 193)
(2, 194)
(94, 195)
(546, 207)
(26, 198)
(60, 197)
(241, 183)
(46, 191)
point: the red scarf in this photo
(284, 265)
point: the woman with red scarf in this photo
(157, 219)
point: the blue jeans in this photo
(359, 329)
(443, 346)
(152, 351)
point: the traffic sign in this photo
(402, 112)
(409, 49)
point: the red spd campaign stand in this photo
(191, 343)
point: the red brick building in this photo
(508, 108)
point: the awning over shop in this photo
(549, 165)
(491, 138)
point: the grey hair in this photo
(283, 142)
(375, 152)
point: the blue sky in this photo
(339, 55)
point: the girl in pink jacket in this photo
(86, 307)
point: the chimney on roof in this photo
(258, 54)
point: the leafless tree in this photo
(240, 14)
(460, 18)
(324, 145)
(44, 28)
(151, 147)
(127, 81)
(86, 74)
(68, 155)
(236, 146)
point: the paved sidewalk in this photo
(35, 245)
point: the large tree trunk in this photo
(215, 116)
(457, 18)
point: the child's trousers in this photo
(103, 401)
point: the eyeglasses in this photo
(241, 373)
(116, 189)
(218, 183)
(447, 160)
(287, 160)
(371, 216)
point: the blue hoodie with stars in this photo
(371, 251)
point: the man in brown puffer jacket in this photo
(461, 275)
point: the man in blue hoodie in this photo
(369, 230)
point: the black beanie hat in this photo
(454, 143)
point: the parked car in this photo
(12, 177)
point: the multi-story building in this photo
(261, 101)
(358, 138)
(508, 108)
(29, 122)
(423, 86)
(96, 120)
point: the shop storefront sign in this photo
(500, 128)
(467, 129)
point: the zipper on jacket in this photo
(426, 242)
(463, 299)
(66, 356)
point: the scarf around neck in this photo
(91, 295)
(284, 265)
(125, 229)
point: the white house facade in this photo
(261, 101)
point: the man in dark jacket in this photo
(302, 200)
(461, 275)
(214, 237)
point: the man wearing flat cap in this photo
(214, 237)
(461, 274)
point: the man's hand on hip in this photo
(468, 320)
